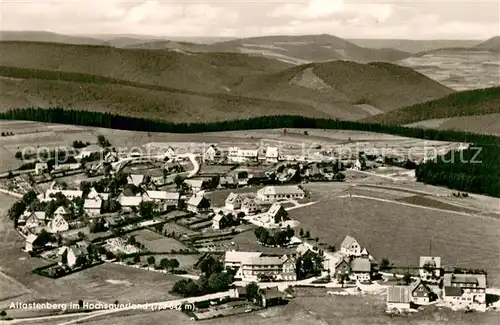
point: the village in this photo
(178, 212)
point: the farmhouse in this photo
(92, 207)
(198, 204)
(70, 256)
(236, 154)
(398, 297)
(361, 269)
(166, 200)
(248, 206)
(41, 168)
(36, 219)
(465, 290)
(89, 150)
(57, 224)
(170, 152)
(342, 268)
(234, 201)
(31, 243)
(61, 212)
(430, 267)
(273, 193)
(273, 154)
(421, 294)
(350, 246)
(195, 185)
(271, 297)
(228, 181)
(277, 213)
(129, 203)
(136, 179)
(220, 221)
(251, 265)
(212, 154)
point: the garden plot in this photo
(155, 242)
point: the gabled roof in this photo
(477, 279)
(232, 197)
(398, 294)
(272, 293)
(247, 202)
(348, 241)
(284, 190)
(418, 283)
(194, 182)
(275, 209)
(92, 204)
(361, 265)
(61, 210)
(343, 260)
(272, 152)
(239, 256)
(219, 217)
(31, 238)
(130, 201)
(40, 215)
(364, 252)
(135, 179)
(197, 200)
(263, 260)
(162, 195)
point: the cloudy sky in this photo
(421, 19)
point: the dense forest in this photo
(107, 120)
(475, 170)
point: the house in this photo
(342, 269)
(129, 203)
(228, 181)
(198, 204)
(36, 219)
(69, 194)
(277, 213)
(88, 151)
(238, 155)
(430, 267)
(361, 269)
(31, 243)
(70, 256)
(93, 206)
(421, 294)
(195, 185)
(273, 154)
(248, 206)
(251, 265)
(136, 179)
(398, 297)
(271, 297)
(465, 290)
(273, 193)
(220, 221)
(165, 200)
(41, 168)
(234, 201)
(57, 224)
(212, 154)
(350, 246)
(111, 157)
(61, 212)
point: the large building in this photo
(465, 290)
(350, 246)
(274, 193)
(238, 155)
(252, 265)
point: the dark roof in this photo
(272, 293)
(452, 291)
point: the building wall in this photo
(398, 305)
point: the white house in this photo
(57, 224)
(421, 294)
(361, 269)
(128, 203)
(36, 219)
(220, 221)
(273, 154)
(61, 212)
(89, 150)
(198, 204)
(277, 213)
(93, 206)
(165, 200)
(212, 154)
(72, 254)
(350, 246)
(196, 185)
(30, 243)
(249, 265)
(236, 154)
(41, 168)
(465, 290)
(273, 193)
(234, 201)
(248, 206)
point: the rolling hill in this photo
(49, 37)
(477, 102)
(370, 88)
(492, 44)
(183, 86)
(292, 49)
(413, 46)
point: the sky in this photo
(398, 19)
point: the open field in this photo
(246, 241)
(404, 233)
(155, 242)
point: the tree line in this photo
(114, 121)
(475, 170)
